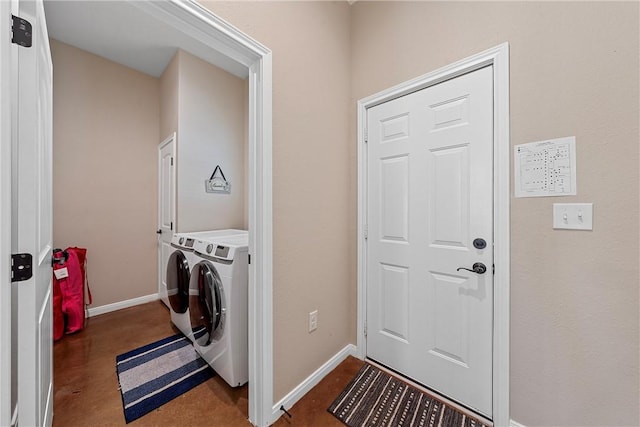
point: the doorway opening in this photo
(496, 60)
(189, 26)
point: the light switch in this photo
(573, 216)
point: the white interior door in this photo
(166, 210)
(32, 197)
(430, 195)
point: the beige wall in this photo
(207, 109)
(312, 201)
(105, 139)
(169, 91)
(574, 71)
(211, 131)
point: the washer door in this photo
(208, 321)
(178, 282)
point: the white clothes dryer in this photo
(178, 275)
(221, 280)
(214, 234)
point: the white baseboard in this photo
(94, 311)
(311, 381)
(515, 424)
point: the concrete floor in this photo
(86, 386)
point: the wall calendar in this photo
(546, 168)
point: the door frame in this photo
(6, 407)
(171, 139)
(498, 57)
(201, 24)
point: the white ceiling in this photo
(121, 32)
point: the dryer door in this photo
(178, 282)
(208, 322)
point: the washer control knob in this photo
(181, 241)
(209, 248)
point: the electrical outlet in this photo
(313, 320)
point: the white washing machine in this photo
(221, 279)
(178, 275)
(181, 261)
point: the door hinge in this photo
(365, 330)
(366, 231)
(493, 269)
(249, 258)
(172, 161)
(366, 135)
(171, 225)
(21, 267)
(20, 31)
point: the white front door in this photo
(32, 199)
(166, 210)
(429, 197)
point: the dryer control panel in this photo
(183, 241)
(221, 249)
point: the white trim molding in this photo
(311, 381)
(498, 58)
(7, 410)
(108, 308)
(201, 24)
(514, 423)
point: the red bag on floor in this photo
(82, 258)
(72, 288)
(58, 316)
(69, 277)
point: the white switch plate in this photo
(313, 320)
(573, 216)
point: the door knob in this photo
(478, 268)
(159, 231)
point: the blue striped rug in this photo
(152, 375)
